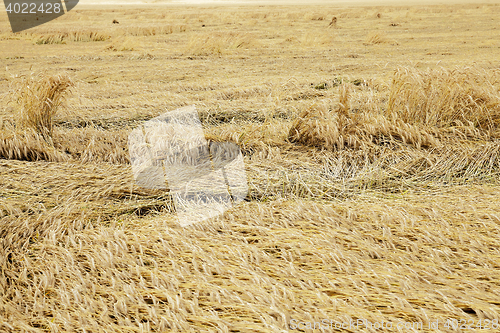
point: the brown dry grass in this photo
(372, 166)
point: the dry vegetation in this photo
(372, 146)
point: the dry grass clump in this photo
(29, 137)
(219, 43)
(75, 36)
(374, 38)
(87, 145)
(87, 36)
(123, 43)
(318, 126)
(313, 39)
(50, 39)
(443, 98)
(338, 128)
(412, 140)
(423, 107)
(38, 99)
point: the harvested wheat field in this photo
(371, 143)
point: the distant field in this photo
(371, 138)
(342, 3)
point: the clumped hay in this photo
(73, 36)
(29, 135)
(251, 137)
(219, 43)
(38, 99)
(374, 38)
(411, 141)
(443, 98)
(318, 126)
(49, 39)
(33, 136)
(87, 36)
(337, 129)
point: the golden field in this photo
(372, 152)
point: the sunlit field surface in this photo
(371, 139)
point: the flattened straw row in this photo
(75, 36)
(28, 146)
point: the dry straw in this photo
(364, 224)
(444, 98)
(154, 30)
(219, 43)
(74, 36)
(257, 266)
(38, 99)
(336, 128)
(433, 129)
(30, 136)
(376, 38)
